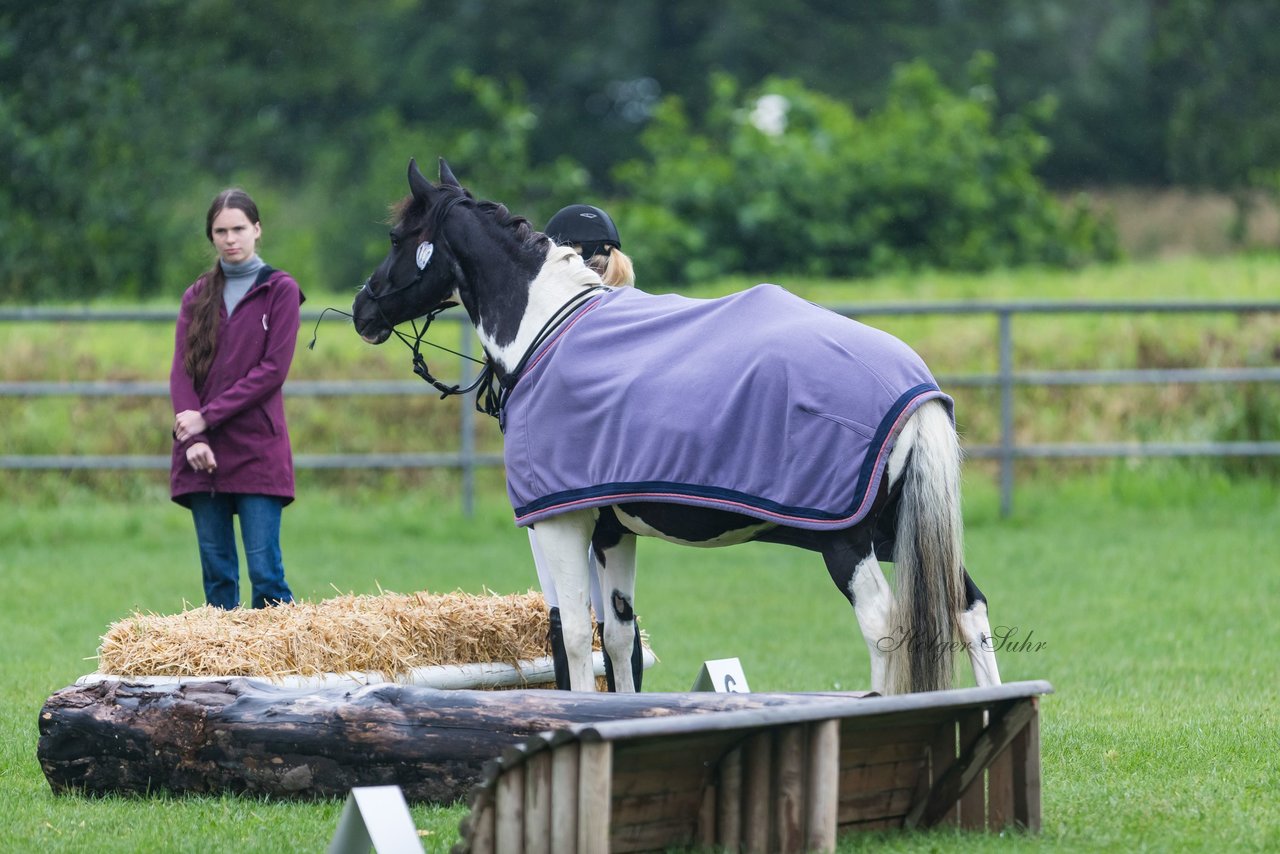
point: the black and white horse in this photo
(525, 296)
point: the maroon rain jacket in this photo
(242, 399)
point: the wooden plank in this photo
(884, 776)
(822, 786)
(788, 789)
(942, 755)
(680, 807)
(869, 806)
(928, 717)
(638, 784)
(483, 837)
(1007, 719)
(595, 773)
(661, 833)
(793, 709)
(658, 751)
(973, 800)
(854, 737)
(757, 776)
(887, 754)
(642, 768)
(705, 833)
(872, 825)
(1025, 756)
(537, 803)
(564, 798)
(1000, 786)
(508, 802)
(1000, 792)
(729, 797)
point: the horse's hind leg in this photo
(852, 564)
(975, 629)
(617, 568)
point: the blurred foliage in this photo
(1224, 105)
(119, 121)
(783, 179)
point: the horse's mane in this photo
(523, 229)
(578, 272)
(504, 218)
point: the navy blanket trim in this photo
(739, 502)
(889, 426)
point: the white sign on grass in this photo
(376, 817)
(723, 675)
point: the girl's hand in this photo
(200, 457)
(188, 423)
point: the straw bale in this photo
(388, 634)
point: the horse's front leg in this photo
(617, 568)
(563, 540)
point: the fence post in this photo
(1006, 411)
(467, 425)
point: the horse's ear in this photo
(419, 185)
(446, 174)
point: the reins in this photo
(494, 392)
(414, 343)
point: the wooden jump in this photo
(783, 779)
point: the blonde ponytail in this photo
(615, 268)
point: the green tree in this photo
(84, 149)
(114, 135)
(784, 179)
(1223, 127)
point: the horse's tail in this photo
(927, 557)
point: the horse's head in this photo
(445, 246)
(420, 272)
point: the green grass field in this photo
(1152, 591)
(1152, 587)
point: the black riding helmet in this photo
(585, 225)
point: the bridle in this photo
(439, 212)
(414, 342)
(493, 391)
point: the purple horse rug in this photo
(758, 403)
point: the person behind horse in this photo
(234, 342)
(591, 232)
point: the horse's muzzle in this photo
(371, 330)
(370, 326)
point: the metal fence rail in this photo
(1006, 379)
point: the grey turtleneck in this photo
(240, 277)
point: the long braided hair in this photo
(202, 334)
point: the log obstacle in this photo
(786, 778)
(246, 736)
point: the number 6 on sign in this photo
(723, 675)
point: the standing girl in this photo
(235, 338)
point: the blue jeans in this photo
(216, 536)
